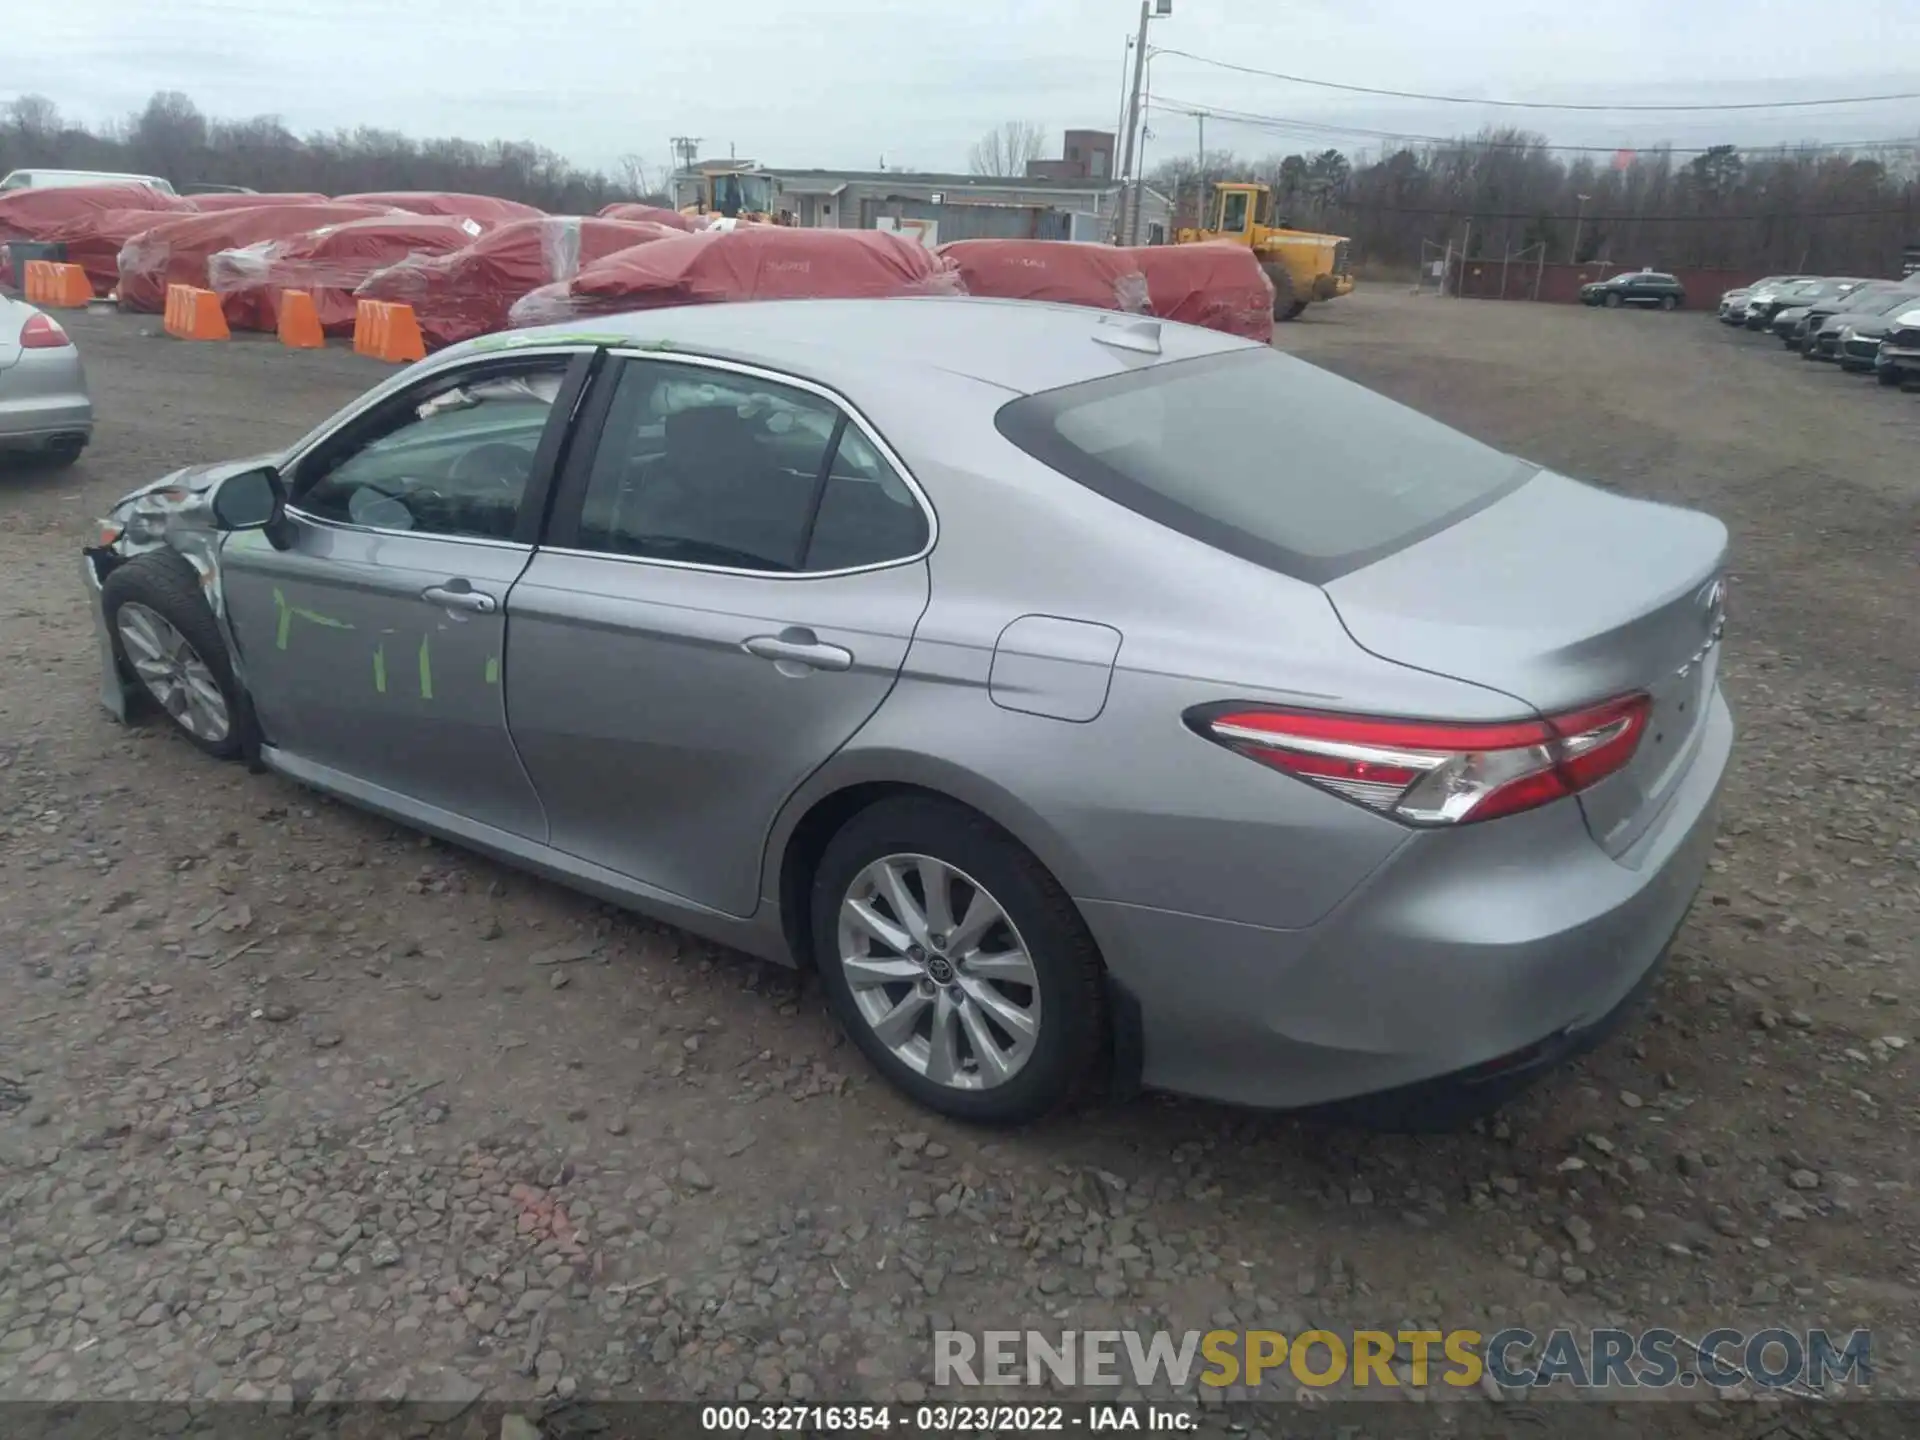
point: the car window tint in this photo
(867, 514)
(708, 467)
(455, 460)
(1265, 457)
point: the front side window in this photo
(711, 467)
(456, 459)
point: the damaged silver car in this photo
(979, 655)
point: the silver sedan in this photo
(45, 410)
(1089, 700)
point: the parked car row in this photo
(1861, 325)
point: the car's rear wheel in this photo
(63, 452)
(1612, 302)
(957, 963)
(165, 635)
(1668, 302)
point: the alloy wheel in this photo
(173, 672)
(939, 972)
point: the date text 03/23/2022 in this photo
(945, 1419)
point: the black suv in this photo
(1644, 287)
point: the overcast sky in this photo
(843, 83)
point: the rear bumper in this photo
(43, 397)
(1463, 949)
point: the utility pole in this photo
(1200, 178)
(1130, 215)
(1573, 256)
(686, 150)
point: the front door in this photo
(373, 644)
(730, 586)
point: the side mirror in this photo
(252, 500)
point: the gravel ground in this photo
(297, 1105)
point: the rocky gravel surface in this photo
(298, 1106)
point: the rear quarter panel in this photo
(1130, 805)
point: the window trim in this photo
(570, 488)
(548, 459)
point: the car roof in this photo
(1022, 346)
(41, 173)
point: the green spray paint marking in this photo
(426, 671)
(380, 668)
(493, 670)
(286, 613)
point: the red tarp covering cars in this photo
(327, 263)
(29, 214)
(94, 241)
(175, 252)
(466, 293)
(447, 202)
(1057, 270)
(759, 262)
(657, 214)
(1218, 285)
(208, 204)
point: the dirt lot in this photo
(296, 1104)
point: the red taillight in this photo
(42, 332)
(1432, 773)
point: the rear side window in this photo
(1265, 457)
(718, 468)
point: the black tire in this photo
(1669, 302)
(166, 584)
(62, 453)
(1612, 302)
(1284, 299)
(1295, 310)
(1886, 375)
(1068, 1055)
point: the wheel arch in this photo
(842, 789)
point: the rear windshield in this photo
(1265, 457)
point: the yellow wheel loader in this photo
(1303, 265)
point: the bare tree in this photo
(1005, 150)
(632, 174)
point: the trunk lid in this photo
(1560, 594)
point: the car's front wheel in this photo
(1887, 375)
(166, 637)
(957, 963)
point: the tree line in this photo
(171, 138)
(1506, 191)
(1503, 191)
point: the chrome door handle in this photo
(809, 652)
(474, 600)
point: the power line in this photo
(1527, 104)
(1315, 127)
(1338, 207)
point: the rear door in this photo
(732, 577)
(373, 643)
